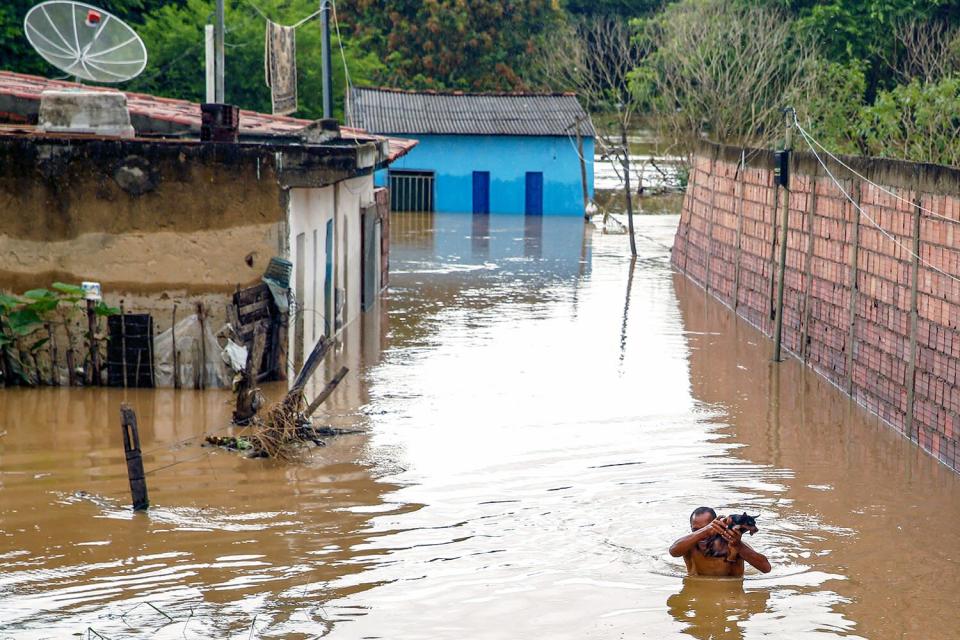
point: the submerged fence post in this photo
(736, 265)
(131, 449)
(93, 376)
(911, 380)
(784, 225)
(808, 275)
(854, 287)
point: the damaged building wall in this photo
(167, 225)
(146, 220)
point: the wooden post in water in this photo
(203, 347)
(93, 374)
(123, 343)
(327, 390)
(583, 164)
(176, 354)
(626, 184)
(131, 449)
(784, 225)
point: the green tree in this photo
(723, 70)
(625, 8)
(916, 121)
(452, 44)
(864, 32)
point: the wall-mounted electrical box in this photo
(781, 167)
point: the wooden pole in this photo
(739, 251)
(711, 213)
(854, 290)
(784, 225)
(123, 343)
(131, 450)
(247, 394)
(176, 354)
(808, 268)
(203, 347)
(313, 360)
(93, 373)
(54, 368)
(218, 40)
(327, 390)
(583, 164)
(626, 183)
(911, 380)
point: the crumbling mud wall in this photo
(136, 216)
(871, 296)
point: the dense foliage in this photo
(877, 77)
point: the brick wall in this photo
(858, 308)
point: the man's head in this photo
(701, 517)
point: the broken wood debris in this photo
(286, 423)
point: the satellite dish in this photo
(85, 41)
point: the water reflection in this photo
(715, 609)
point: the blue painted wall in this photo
(508, 159)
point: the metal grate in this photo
(411, 190)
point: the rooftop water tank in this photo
(85, 111)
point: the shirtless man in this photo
(705, 524)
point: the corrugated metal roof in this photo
(182, 112)
(390, 111)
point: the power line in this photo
(868, 180)
(269, 19)
(890, 237)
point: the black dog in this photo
(717, 547)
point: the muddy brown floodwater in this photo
(538, 422)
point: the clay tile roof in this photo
(184, 112)
(392, 111)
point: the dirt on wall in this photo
(137, 216)
(871, 296)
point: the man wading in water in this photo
(693, 547)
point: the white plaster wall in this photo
(309, 211)
(352, 194)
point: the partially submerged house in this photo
(186, 213)
(483, 153)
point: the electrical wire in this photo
(889, 236)
(295, 25)
(866, 179)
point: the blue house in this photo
(483, 153)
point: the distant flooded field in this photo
(538, 418)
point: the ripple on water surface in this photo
(538, 418)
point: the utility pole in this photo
(210, 64)
(783, 179)
(325, 59)
(583, 163)
(626, 180)
(218, 34)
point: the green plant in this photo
(26, 327)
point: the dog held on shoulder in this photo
(715, 546)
